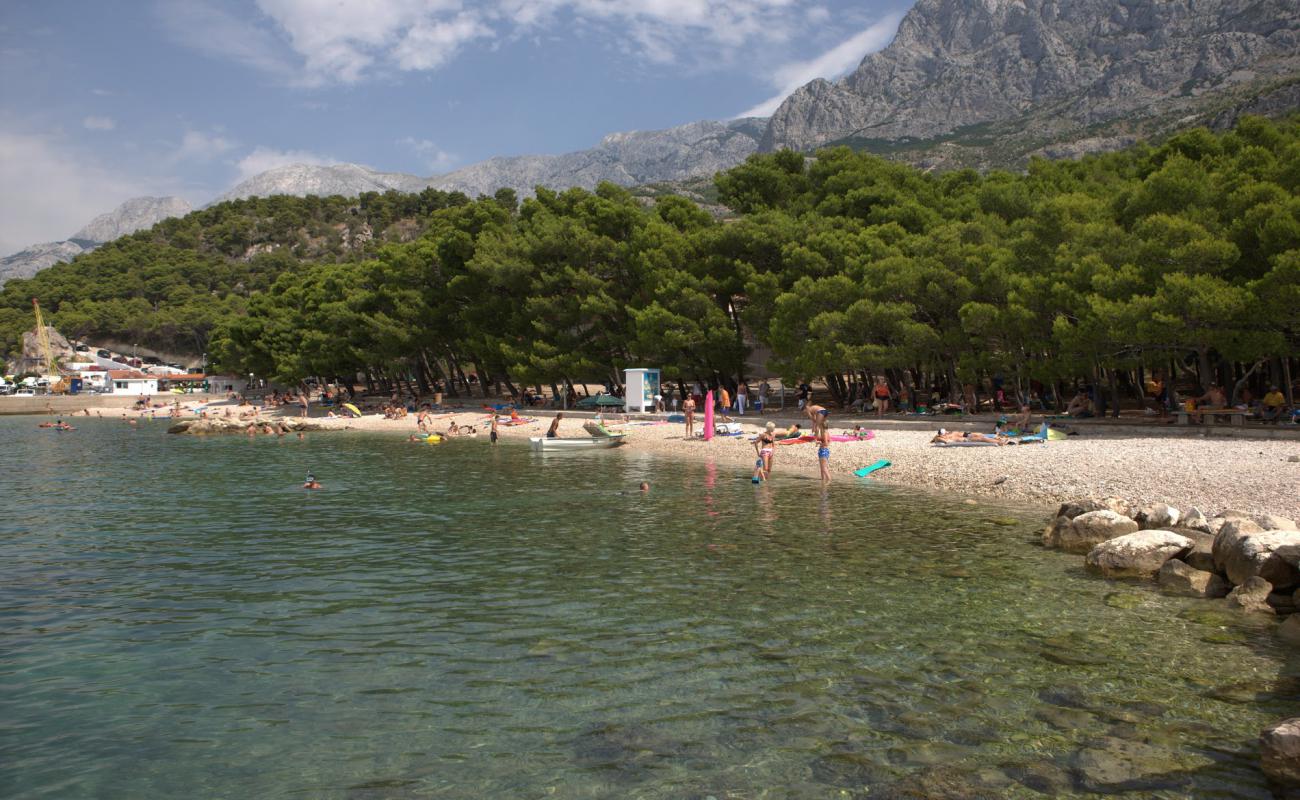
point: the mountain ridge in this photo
(955, 64)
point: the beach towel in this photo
(863, 472)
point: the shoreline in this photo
(1214, 475)
(1213, 470)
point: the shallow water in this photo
(179, 619)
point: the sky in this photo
(105, 100)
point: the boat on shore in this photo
(545, 445)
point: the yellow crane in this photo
(43, 338)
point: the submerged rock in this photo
(1252, 595)
(1090, 529)
(1111, 764)
(226, 425)
(1289, 630)
(1279, 752)
(1137, 555)
(1179, 578)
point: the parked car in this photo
(120, 359)
(83, 348)
(103, 354)
(174, 366)
(154, 360)
(25, 393)
(134, 362)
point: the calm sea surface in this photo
(178, 618)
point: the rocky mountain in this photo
(996, 80)
(135, 214)
(301, 180)
(627, 159)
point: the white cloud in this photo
(94, 123)
(321, 42)
(831, 64)
(433, 157)
(264, 158)
(199, 146)
(216, 32)
(53, 189)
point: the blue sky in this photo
(102, 101)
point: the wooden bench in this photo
(1235, 415)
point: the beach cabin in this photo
(641, 387)
(130, 382)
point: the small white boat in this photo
(594, 443)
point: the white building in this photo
(130, 382)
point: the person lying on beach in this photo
(793, 432)
(950, 437)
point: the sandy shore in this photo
(1212, 474)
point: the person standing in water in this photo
(553, 431)
(765, 444)
(688, 408)
(824, 453)
(493, 430)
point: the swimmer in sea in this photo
(645, 487)
(310, 482)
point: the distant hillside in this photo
(167, 287)
(133, 215)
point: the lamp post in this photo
(203, 365)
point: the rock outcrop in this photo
(1055, 75)
(1179, 578)
(1089, 529)
(1252, 595)
(1241, 554)
(1137, 555)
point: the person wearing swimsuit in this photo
(824, 453)
(764, 444)
(882, 397)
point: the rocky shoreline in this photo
(1249, 562)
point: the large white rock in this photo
(1088, 530)
(1137, 555)
(1268, 554)
(1279, 752)
(1179, 578)
(1195, 520)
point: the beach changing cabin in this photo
(641, 387)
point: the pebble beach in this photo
(1212, 474)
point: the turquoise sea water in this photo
(178, 618)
